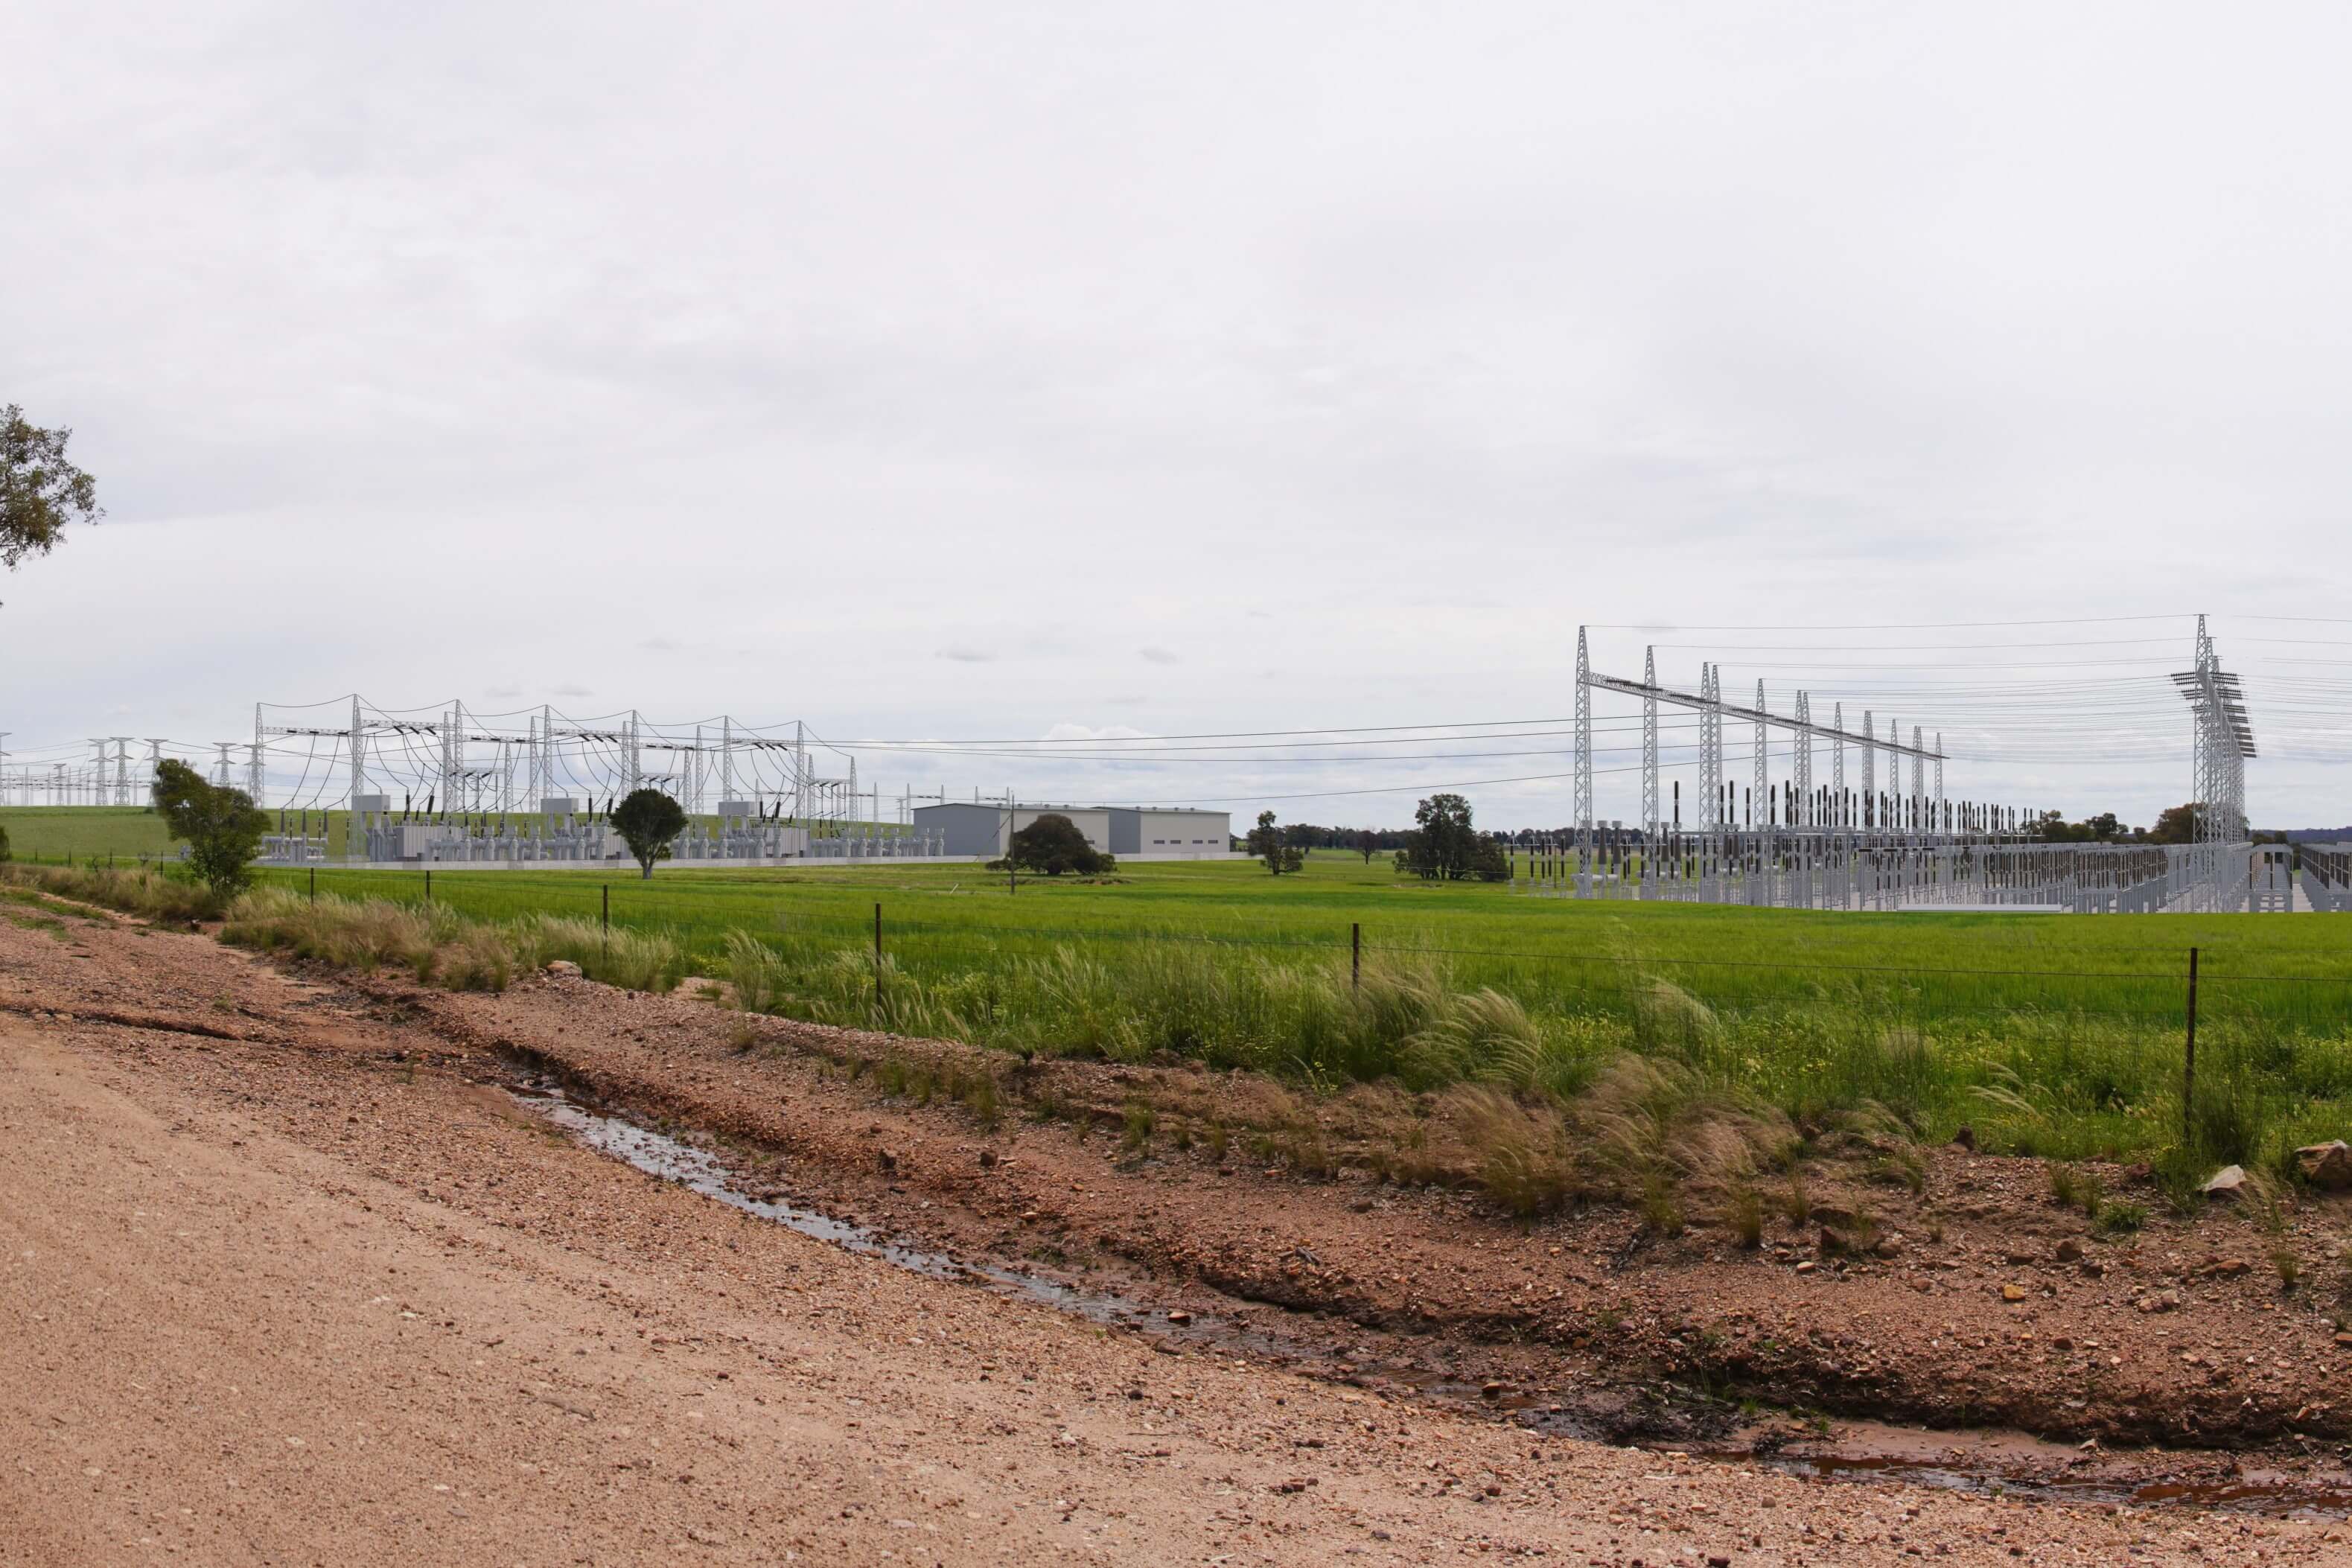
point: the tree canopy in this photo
(648, 822)
(1052, 844)
(2104, 827)
(40, 491)
(1443, 846)
(221, 825)
(1270, 844)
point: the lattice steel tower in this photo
(1649, 747)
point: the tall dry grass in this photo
(154, 892)
(440, 947)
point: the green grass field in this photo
(56, 834)
(2060, 1035)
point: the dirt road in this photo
(282, 1282)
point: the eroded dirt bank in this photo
(283, 1261)
(1984, 1304)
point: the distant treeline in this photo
(1313, 835)
(2176, 824)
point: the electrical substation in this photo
(1881, 842)
(451, 786)
(1835, 805)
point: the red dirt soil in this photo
(290, 1277)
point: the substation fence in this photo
(1790, 869)
(2326, 875)
(1800, 842)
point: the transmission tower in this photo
(1869, 765)
(1759, 806)
(1800, 803)
(1649, 748)
(1710, 750)
(1583, 808)
(1837, 761)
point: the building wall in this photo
(966, 828)
(980, 829)
(1155, 832)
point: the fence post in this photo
(877, 963)
(1355, 955)
(314, 884)
(607, 915)
(428, 884)
(2189, 1063)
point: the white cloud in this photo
(897, 375)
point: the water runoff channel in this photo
(1992, 1463)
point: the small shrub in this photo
(2066, 1184)
(2267, 1204)
(2179, 1175)
(980, 1098)
(1137, 1121)
(1904, 1167)
(1799, 1204)
(2118, 1219)
(1523, 1179)
(1745, 1213)
(1662, 1204)
(755, 970)
(1309, 1153)
(2289, 1266)
(1525, 1167)
(479, 959)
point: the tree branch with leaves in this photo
(41, 492)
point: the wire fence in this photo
(2122, 1054)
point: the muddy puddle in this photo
(2017, 1465)
(1988, 1463)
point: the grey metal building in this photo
(1141, 832)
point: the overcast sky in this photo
(997, 373)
